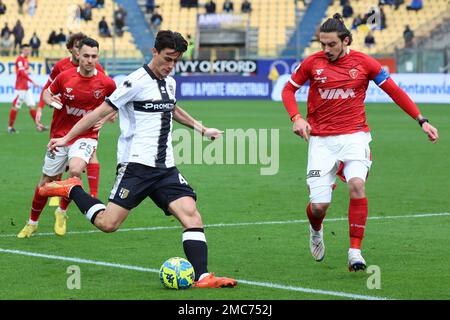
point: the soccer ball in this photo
(177, 273)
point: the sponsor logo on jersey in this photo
(76, 111)
(353, 73)
(313, 174)
(333, 94)
(155, 106)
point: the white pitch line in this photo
(137, 268)
(239, 224)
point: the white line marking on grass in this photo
(137, 268)
(239, 224)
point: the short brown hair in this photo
(76, 37)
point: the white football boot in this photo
(355, 260)
(316, 243)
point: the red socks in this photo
(64, 203)
(33, 113)
(315, 222)
(357, 216)
(93, 174)
(12, 117)
(37, 205)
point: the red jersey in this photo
(22, 77)
(79, 96)
(337, 91)
(61, 66)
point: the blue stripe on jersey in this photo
(381, 77)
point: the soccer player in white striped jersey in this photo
(146, 104)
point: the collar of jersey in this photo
(150, 72)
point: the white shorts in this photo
(327, 156)
(24, 96)
(55, 164)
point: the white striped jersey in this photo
(145, 104)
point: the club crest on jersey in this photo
(69, 90)
(353, 73)
(123, 193)
(171, 89)
(319, 71)
(97, 93)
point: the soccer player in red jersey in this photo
(24, 94)
(93, 167)
(336, 129)
(78, 93)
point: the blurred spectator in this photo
(415, 5)
(210, 7)
(35, 44)
(149, 6)
(5, 45)
(155, 21)
(382, 19)
(52, 38)
(2, 7)
(246, 6)
(32, 6)
(100, 4)
(61, 37)
(92, 3)
(18, 33)
(6, 31)
(397, 3)
(119, 20)
(86, 12)
(228, 6)
(357, 22)
(408, 36)
(369, 40)
(347, 10)
(20, 3)
(189, 54)
(103, 28)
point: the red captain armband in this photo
(296, 117)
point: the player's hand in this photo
(113, 117)
(98, 125)
(302, 128)
(56, 102)
(431, 131)
(212, 133)
(56, 142)
(38, 118)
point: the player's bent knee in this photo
(319, 209)
(357, 188)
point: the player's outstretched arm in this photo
(181, 116)
(85, 123)
(404, 101)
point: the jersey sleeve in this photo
(125, 93)
(110, 87)
(375, 71)
(54, 73)
(301, 74)
(56, 86)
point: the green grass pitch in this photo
(408, 183)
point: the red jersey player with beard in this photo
(78, 93)
(93, 167)
(337, 131)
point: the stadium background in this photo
(246, 58)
